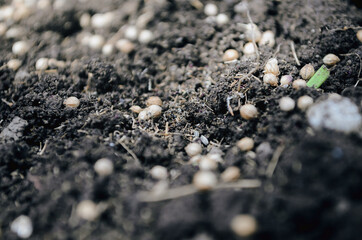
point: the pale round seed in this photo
(131, 33)
(267, 38)
(272, 67)
(244, 225)
(286, 104)
(207, 164)
(154, 100)
(230, 174)
(22, 226)
(359, 35)
(230, 55)
(270, 79)
(107, 49)
(248, 111)
(42, 64)
(136, 109)
(286, 80)
(103, 167)
(96, 42)
(145, 37)
(125, 46)
(87, 210)
(211, 9)
(14, 64)
(20, 48)
(304, 102)
(299, 83)
(222, 19)
(245, 144)
(159, 172)
(307, 72)
(71, 102)
(249, 49)
(331, 60)
(193, 149)
(204, 180)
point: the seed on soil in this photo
(14, 64)
(96, 42)
(267, 38)
(125, 46)
(252, 31)
(159, 172)
(210, 9)
(195, 160)
(307, 71)
(299, 83)
(359, 35)
(145, 36)
(154, 100)
(222, 19)
(22, 226)
(271, 79)
(231, 174)
(87, 210)
(71, 102)
(207, 164)
(330, 60)
(107, 49)
(3, 28)
(103, 167)
(286, 80)
(153, 111)
(272, 67)
(304, 102)
(204, 180)
(102, 20)
(193, 149)
(249, 49)
(131, 33)
(41, 64)
(286, 104)
(136, 109)
(244, 225)
(230, 55)
(20, 48)
(248, 111)
(245, 144)
(84, 20)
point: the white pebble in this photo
(286, 104)
(41, 64)
(193, 149)
(87, 210)
(222, 19)
(204, 180)
(22, 226)
(14, 64)
(107, 49)
(103, 167)
(145, 36)
(20, 48)
(96, 42)
(339, 114)
(159, 172)
(304, 102)
(131, 33)
(210, 9)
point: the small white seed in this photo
(331, 60)
(71, 102)
(244, 225)
(100, 20)
(245, 144)
(84, 20)
(286, 104)
(20, 48)
(154, 100)
(204, 180)
(249, 49)
(6, 12)
(87, 210)
(125, 46)
(96, 42)
(304, 102)
(193, 149)
(3, 28)
(286, 80)
(222, 19)
(267, 38)
(359, 35)
(271, 79)
(299, 83)
(230, 174)
(145, 37)
(307, 72)
(159, 172)
(207, 164)
(248, 111)
(14, 64)
(272, 67)
(230, 55)
(211, 9)
(22, 226)
(252, 31)
(107, 49)
(103, 167)
(136, 109)
(153, 111)
(41, 64)
(131, 33)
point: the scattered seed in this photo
(299, 83)
(245, 144)
(286, 104)
(20, 48)
(14, 64)
(307, 71)
(125, 46)
(271, 79)
(244, 225)
(252, 31)
(230, 174)
(204, 180)
(286, 80)
(102, 20)
(87, 210)
(154, 100)
(159, 172)
(359, 35)
(267, 38)
(131, 33)
(22, 226)
(230, 55)
(248, 111)
(96, 42)
(193, 149)
(272, 67)
(222, 19)
(204, 140)
(71, 102)
(304, 102)
(107, 49)
(210, 9)
(145, 36)
(136, 109)
(207, 164)
(41, 64)
(249, 49)
(331, 60)
(153, 111)
(84, 20)
(103, 167)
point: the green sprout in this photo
(319, 77)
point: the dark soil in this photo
(314, 193)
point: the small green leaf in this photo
(319, 77)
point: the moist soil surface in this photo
(46, 169)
